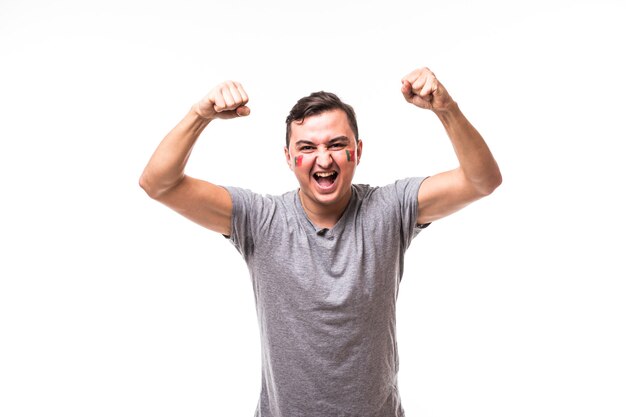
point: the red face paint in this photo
(297, 161)
(350, 155)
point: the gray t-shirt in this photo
(326, 299)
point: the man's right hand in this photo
(225, 101)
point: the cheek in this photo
(345, 156)
(303, 161)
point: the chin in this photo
(328, 199)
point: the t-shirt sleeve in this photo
(251, 213)
(406, 192)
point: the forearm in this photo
(167, 165)
(476, 161)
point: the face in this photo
(323, 153)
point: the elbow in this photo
(490, 184)
(145, 185)
(155, 186)
(148, 187)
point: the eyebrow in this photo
(333, 140)
(339, 139)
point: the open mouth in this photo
(325, 179)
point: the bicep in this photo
(444, 194)
(206, 204)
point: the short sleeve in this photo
(251, 214)
(406, 192)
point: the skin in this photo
(164, 178)
(476, 176)
(321, 140)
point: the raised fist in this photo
(422, 88)
(225, 101)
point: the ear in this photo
(288, 158)
(359, 151)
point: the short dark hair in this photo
(317, 103)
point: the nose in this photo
(324, 159)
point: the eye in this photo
(305, 148)
(337, 145)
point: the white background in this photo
(112, 305)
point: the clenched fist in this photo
(225, 101)
(423, 89)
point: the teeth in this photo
(324, 174)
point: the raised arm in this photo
(164, 177)
(478, 174)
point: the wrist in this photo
(197, 112)
(196, 122)
(448, 112)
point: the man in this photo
(325, 260)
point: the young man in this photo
(325, 260)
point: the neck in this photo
(324, 216)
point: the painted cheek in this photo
(303, 160)
(350, 156)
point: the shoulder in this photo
(396, 191)
(246, 196)
(250, 204)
